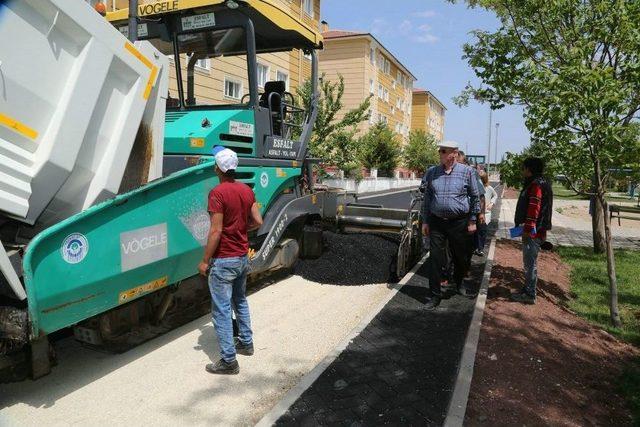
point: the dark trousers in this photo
(454, 233)
(480, 236)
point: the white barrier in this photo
(372, 185)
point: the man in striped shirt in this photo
(533, 212)
(449, 214)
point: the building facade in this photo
(368, 68)
(224, 80)
(428, 113)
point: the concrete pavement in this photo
(163, 382)
(568, 231)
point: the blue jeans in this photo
(228, 283)
(530, 249)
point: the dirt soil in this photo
(541, 364)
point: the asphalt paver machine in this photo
(105, 160)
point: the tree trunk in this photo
(597, 226)
(611, 263)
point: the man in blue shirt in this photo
(449, 213)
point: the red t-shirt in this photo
(233, 200)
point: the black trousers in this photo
(454, 234)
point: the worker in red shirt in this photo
(533, 213)
(234, 212)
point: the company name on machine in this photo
(150, 9)
(144, 243)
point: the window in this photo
(307, 6)
(204, 63)
(399, 77)
(384, 119)
(281, 76)
(386, 94)
(263, 74)
(372, 88)
(393, 84)
(393, 110)
(399, 104)
(372, 117)
(372, 56)
(202, 50)
(387, 66)
(380, 92)
(232, 88)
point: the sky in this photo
(427, 37)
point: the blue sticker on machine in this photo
(74, 248)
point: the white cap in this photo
(226, 160)
(449, 144)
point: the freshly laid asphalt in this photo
(402, 367)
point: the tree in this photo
(328, 127)
(420, 151)
(342, 151)
(379, 149)
(575, 67)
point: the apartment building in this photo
(428, 113)
(221, 81)
(368, 68)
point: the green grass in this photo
(590, 291)
(560, 192)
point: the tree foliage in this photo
(379, 149)
(342, 151)
(420, 151)
(328, 127)
(575, 67)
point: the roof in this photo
(343, 34)
(336, 34)
(264, 9)
(418, 91)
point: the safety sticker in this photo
(197, 142)
(126, 296)
(74, 248)
(241, 129)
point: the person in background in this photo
(234, 212)
(462, 158)
(533, 212)
(490, 197)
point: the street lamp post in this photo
(489, 141)
(496, 150)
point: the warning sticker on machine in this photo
(126, 296)
(241, 129)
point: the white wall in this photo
(370, 185)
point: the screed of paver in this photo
(163, 382)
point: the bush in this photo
(379, 149)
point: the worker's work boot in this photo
(244, 349)
(523, 297)
(223, 368)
